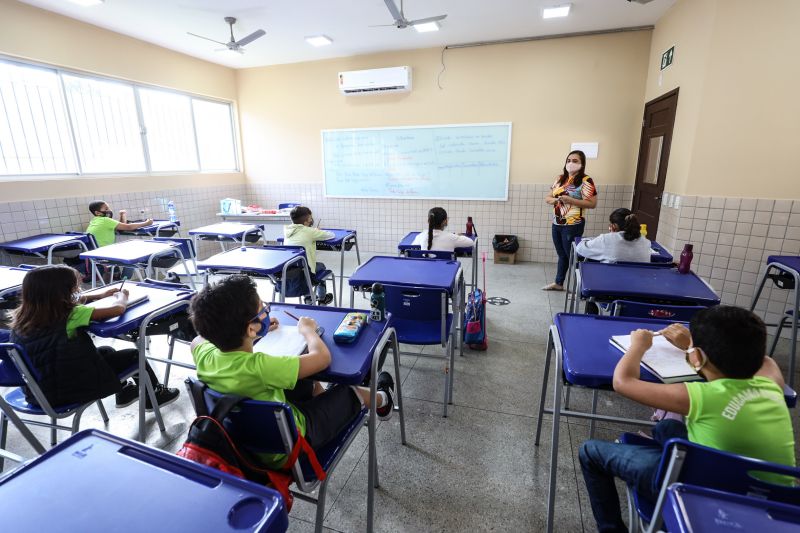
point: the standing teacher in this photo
(571, 194)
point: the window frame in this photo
(135, 85)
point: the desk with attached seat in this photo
(159, 228)
(407, 243)
(43, 246)
(135, 253)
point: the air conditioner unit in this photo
(375, 81)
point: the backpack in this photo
(475, 316)
(210, 444)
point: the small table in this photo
(690, 508)
(659, 256)
(134, 253)
(159, 228)
(11, 281)
(165, 301)
(272, 223)
(226, 232)
(343, 240)
(437, 274)
(44, 245)
(642, 282)
(785, 271)
(261, 261)
(471, 251)
(94, 481)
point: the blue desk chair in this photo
(417, 314)
(679, 313)
(175, 270)
(690, 463)
(16, 370)
(431, 254)
(268, 427)
(317, 278)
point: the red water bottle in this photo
(685, 263)
(470, 227)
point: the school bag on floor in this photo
(475, 316)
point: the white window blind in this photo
(215, 138)
(170, 132)
(34, 129)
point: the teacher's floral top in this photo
(568, 214)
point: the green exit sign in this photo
(666, 58)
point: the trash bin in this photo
(505, 249)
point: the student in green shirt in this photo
(104, 227)
(301, 232)
(230, 317)
(739, 408)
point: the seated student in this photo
(624, 242)
(302, 233)
(438, 239)
(50, 324)
(229, 317)
(740, 408)
(104, 227)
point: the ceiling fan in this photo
(400, 20)
(233, 45)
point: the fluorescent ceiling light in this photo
(556, 11)
(427, 26)
(87, 3)
(319, 40)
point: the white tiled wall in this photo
(732, 239)
(382, 223)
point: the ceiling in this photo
(287, 22)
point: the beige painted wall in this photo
(30, 33)
(554, 92)
(736, 66)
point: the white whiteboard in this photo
(451, 162)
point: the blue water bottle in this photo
(171, 211)
(377, 304)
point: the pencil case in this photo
(350, 327)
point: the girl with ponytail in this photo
(435, 238)
(624, 242)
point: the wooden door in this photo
(651, 169)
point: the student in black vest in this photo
(51, 325)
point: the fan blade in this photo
(381, 25)
(206, 38)
(396, 15)
(250, 38)
(429, 19)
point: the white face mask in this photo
(572, 167)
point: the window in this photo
(59, 122)
(34, 131)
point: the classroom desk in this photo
(583, 357)
(226, 232)
(159, 228)
(438, 274)
(95, 481)
(607, 282)
(11, 281)
(134, 253)
(659, 256)
(272, 223)
(44, 245)
(260, 261)
(785, 269)
(406, 244)
(342, 241)
(696, 509)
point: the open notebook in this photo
(285, 340)
(663, 360)
(136, 295)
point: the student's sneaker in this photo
(307, 300)
(327, 299)
(128, 395)
(164, 396)
(386, 385)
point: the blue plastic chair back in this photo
(87, 238)
(186, 246)
(678, 313)
(288, 205)
(431, 254)
(413, 303)
(9, 375)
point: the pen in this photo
(291, 315)
(122, 284)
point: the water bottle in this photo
(377, 303)
(643, 230)
(685, 263)
(171, 211)
(470, 227)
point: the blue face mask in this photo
(264, 322)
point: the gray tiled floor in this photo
(478, 469)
